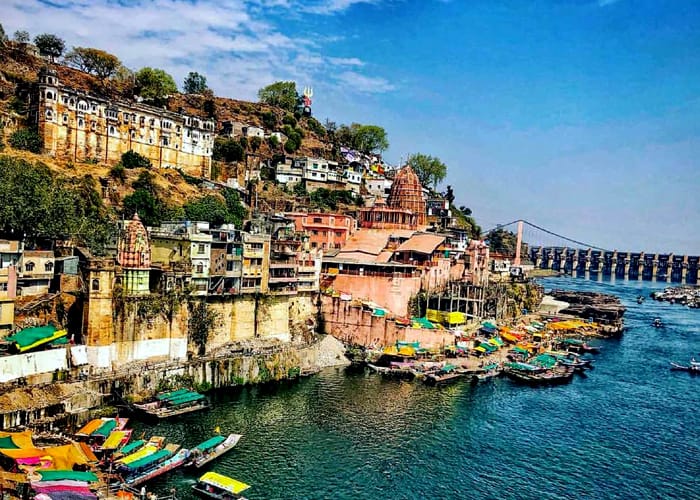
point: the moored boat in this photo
(211, 449)
(548, 377)
(692, 367)
(214, 485)
(158, 468)
(448, 373)
(170, 404)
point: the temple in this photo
(405, 207)
(134, 256)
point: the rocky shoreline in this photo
(607, 310)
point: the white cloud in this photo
(233, 42)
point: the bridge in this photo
(579, 259)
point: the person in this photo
(143, 492)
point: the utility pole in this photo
(518, 244)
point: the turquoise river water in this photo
(629, 429)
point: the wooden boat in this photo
(490, 371)
(693, 367)
(389, 371)
(171, 404)
(657, 323)
(448, 373)
(159, 467)
(548, 377)
(213, 485)
(211, 449)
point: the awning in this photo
(128, 448)
(90, 427)
(105, 428)
(224, 482)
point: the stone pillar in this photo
(684, 269)
(655, 267)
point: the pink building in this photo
(324, 230)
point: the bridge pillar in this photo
(655, 267)
(669, 268)
(684, 269)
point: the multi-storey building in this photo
(324, 230)
(78, 125)
(36, 270)
(289, 172)
(8, 291)
(226, 260)
(256, 263)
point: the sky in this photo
(581, 116)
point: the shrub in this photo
(273, 141)
(269, 120)
(255, 143)
(289, 119)
(132, 159)
(316, 127)
(227, 150)
(118, 172)
(26, 139)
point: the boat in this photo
(692, 367)
(657, 323)
(640, 299)
(158, 466)
(171, 404)
(548, 377)
(489, 371)
(448, 373)
(214, 485)
(211, 449)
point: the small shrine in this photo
(134, 256)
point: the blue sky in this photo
(581, 115)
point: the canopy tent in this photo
(184, 398)
(61, 457)
(224, 482)
(32, 337)
(13, 440)
(87, 451)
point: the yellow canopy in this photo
(113, 440)
(22, 453)
(21, 439)
(91, 426)
(142, 453)
(62, 457)
(224, 482)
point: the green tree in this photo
(146, 204)
(300, 190)
(21, 36)
(201, 323)
(502, 241)
(370, 139)
(281, 94)
(208, 208)
(50, 45)
(236, 211)
(316, 126)
(132, 159)
(227, 149)
(94, 61)
(26, 139)
(255, 143)
(195, 83)
(269, 120)
(429, 169)
(154, 84)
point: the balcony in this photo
(286, 290)
(283, 265)
(253, 253)
(252, 271)
(282, 279)
(250, 289)
(306, 269)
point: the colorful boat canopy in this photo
(90, 427)
(185, 398)
(106, 427)
(57, 475)
(114, 439)
(150, 459)
(172, 394)
(143, 452)
(224, 482)
(210, 443)
(128, 448)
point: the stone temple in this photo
(134, 256)
(405, 208)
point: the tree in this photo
(227, 149)
(94, 61)
(208, 208)
(370, 139)
(430, 170)
(124, 78)
(236, 211)
(465, 210)
(154, 84)
(50, 45)
(202, 321)
(3, 35)
(450, 195)
(502, 241)
(281, 94)
(26, 139)
(21, 36)
(132, 159)
(195, 83)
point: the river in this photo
(629, 429)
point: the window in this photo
(81, 123)
(65, 117)
(112, 131)
(200, 268)
(200, 248)
(29, 267)
(317, 220)
(49, 114)
(165, 141)
(95, 285)
(49, 95)
(48, 267)
(3, 287)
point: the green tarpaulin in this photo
(423, 322)
(128, 448)
(58, 475)
(30, 335)
(185, 398)
(6, 443)
(172, 394)
(105, 428)
(210, 443)
(150, 459)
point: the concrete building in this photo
(35, 272)
(226, 260)
(289, 172)
(77, 125)
(256, 263)
(325, 230)
(8, 292)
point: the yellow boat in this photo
(214, 485)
